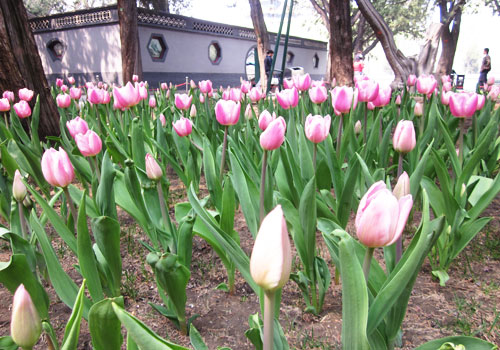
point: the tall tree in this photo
(262, 35)
(129, 37)
(449, 37)
(340, 42)
(21, 64)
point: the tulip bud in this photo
(75, 93)
(248, 112)
(404, 139)
(245, 86)
(153, 170)
(127, 96)
(481, 99)
(302, 82)
(343, 97)
(135, 78)
(265, 118)
(357, 127)
(59, 82)
(25, 94)
(227, 112)
(271, 260)
(193, 112)
(57, 168)
(192, 84)
(398, 100)
(205, 86)
(4, 105)
(274, 135)
(63, 100)
(426, 84)
(412, 79)
(463, 104)
(202, 98)
(163, 121)
(9, 95)
(317, 128)
(402, 187)
(164, 86)
(318, 94)
(22, 109)
(71, 80)
(287, 83)
(25, 324)
(183, 101)
(381, 217)
(288, 98)
(183, 127)
(89, 143)
(18, 187)
(419, 109)
(77, 126)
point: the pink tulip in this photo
(398, 100)
(153, 170)
(412, 79)
(192, 84)
(227, 112)
(25, 324)
(271, 260)
(163, 121)
(288, 83)
(402, 187)
(447, 86)
(100, 85)
(202, 98)
(491, 80)
(95, 96)
(89, 143)
(142, 89)
(135, 78)
(18, 188)
(494, 92)
(106, 97)
(205, 86)
(288, 98)
(164, 86)
(445, 97)
(368, 90)
(9, 95)
(445, 79)
(63, 100)
(480, 102)
(193, 112)
(318, 94)
(235, 94)
(317, 128)
(256, 94)
(426, 84)
(381, 218)
(302, 82)
(57, 168)
(463, 104)
(370, 106)
(343, 97)
(152, 102)
(317, 83)
(357, 127)
(183, 101)
(25, 94)
(384, 96)
(168, 94)
(245, 86)
(89, 85)
(71, 80)
(126, 97)
(248, 111)
(404, 139)
(265, 118)
(183, 127)
(274, 135)
(77, 126)
(64, 88)
(4, 105)
(59, 82)
(22, 109)
(418, 110)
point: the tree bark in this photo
(259, 26)
(340, 42)
(129, 37)
(449, 40)
(400, 64)
(21, 65)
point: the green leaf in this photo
(196, 339)
(144, 337)
(6, 343)
(72, 331)
(307, 214)
(354, 296)
(86, 258)
(104, 326)
(346, 198)
(105, 198)
(16, 271)
(442, 275)
(469, 343)
(211, 177)
(64, 286)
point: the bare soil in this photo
(467, 305)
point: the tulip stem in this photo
(71, 205)
(22, 219)
(461, 140)
(367, 262)
(269, 302)
(380, 127)
(263, 186)
(6, 121)
(315, 152)
(223, 157)
(474, 130)
(339, 136)
(422, 119)
(365, 125)
(166, 218)
(98, 172)
(196, 145)
(400, 165)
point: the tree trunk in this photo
(401, 65)
(341, 42)
(259, 26)
(21, 65)
(428, 52)
(129, 37)
(449, 40)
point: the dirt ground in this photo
(466, 306)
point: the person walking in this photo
(268, 61)
(485, 68)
